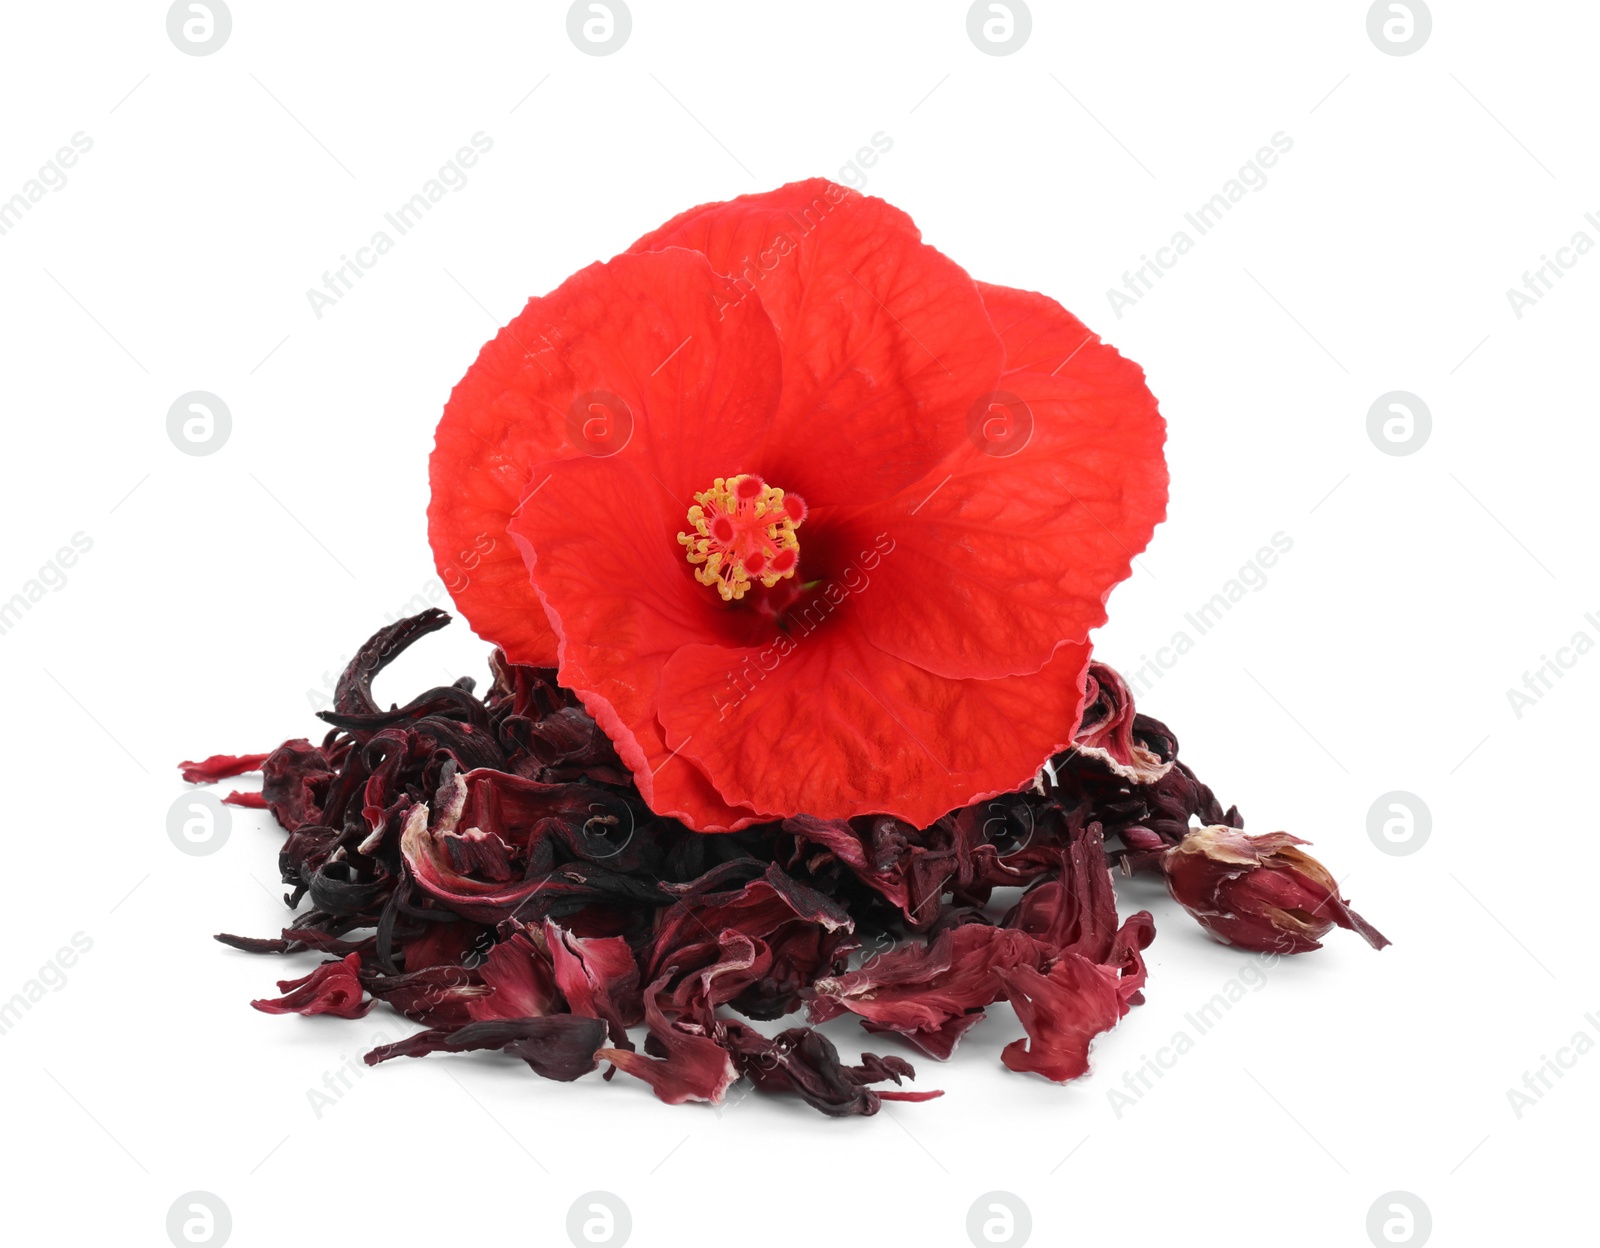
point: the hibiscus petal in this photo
(695, 1068)
(220, 766)
(294, 782)
(523, 980)
(1114, 732)
(697, 377)
(1061, 1012)
(440, 996)
(885, 342)
(805, 1062)
(863, 853)
(598, 976)
(754, 947)
(1076, 910)
(838, 728)
(930, 994)
(333, 988)
(1025, 546)
(601, 542)
(557, 1046)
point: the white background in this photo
(221, 589)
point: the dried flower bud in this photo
(1259, 892)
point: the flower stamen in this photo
(743, 531)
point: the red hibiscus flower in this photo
(810, 520)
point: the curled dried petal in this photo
(333, 988)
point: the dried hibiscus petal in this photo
(930, 995)
(557, 1046)
(805, 1062)
(692, 1066)
(439, 996)
(597, 976)
(220, 767)
(1061, 1011)
(521, 980)
(333, 988)
(1108, 730)
(295, 779)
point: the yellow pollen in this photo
(743, 531)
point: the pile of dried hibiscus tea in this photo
(486, 867)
